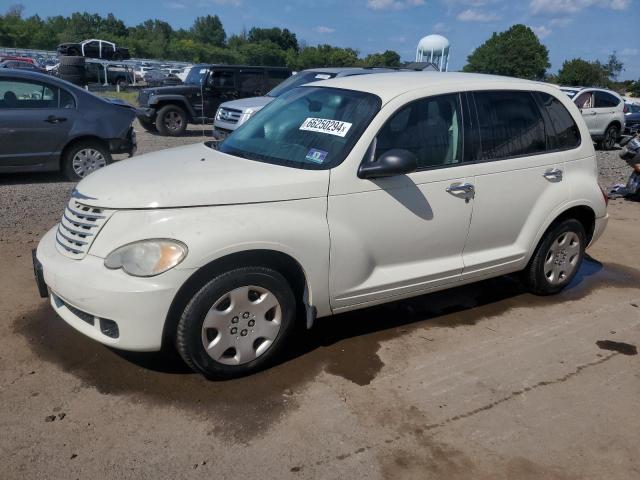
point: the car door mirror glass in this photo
(393, 162)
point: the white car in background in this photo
(339, 195)
(603, 112)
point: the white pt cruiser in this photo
(337, 196)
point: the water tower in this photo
(434, 49)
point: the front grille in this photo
(79, 227)
(229, 115)
(143, 98)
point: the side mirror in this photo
(392, 162)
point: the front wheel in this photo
(171, 121)
(610, 136)
(237, 324)
(84, 158)
(557, 259)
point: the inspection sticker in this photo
(323, 125)
(323, 76)
(316, 156)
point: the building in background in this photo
(434, 49)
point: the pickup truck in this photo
(94, 48)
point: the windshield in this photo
(196, 75)
(298, 80)
(309, 127)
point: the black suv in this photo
(170, 109)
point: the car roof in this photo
(344, 71)
(390, 86)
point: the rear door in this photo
(251, 83)
(518, 178)
(607, 109)
(33, 126)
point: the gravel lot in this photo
(483, 382)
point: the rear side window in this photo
(564, 134)
(430, 128)
(250, 82)
(66, 100)
(223, 79)
(275, 77)
(510, 125)
(606, 100)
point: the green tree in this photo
(614, 66)
(209, 30)
(516, 52)
(387, 59)
(581, 73)
(285, 39)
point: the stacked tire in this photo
(72, 69)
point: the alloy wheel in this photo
(241, 325)
(173, 121)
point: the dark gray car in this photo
(47, 124)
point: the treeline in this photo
(205, 41)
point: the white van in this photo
(347, 193)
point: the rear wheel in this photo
(557, 259)
(171, 121)
(610, 137)
(237, 324)
(84, 158)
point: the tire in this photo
(117, 56)
(71, 70)
(235, 349)
(148, 126)
(72, 60)
(80, 80)
(171, 121)
(96, 156)
(557, 259)
(611, 134)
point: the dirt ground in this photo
(480, 382)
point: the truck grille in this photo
(229, 115)
(143, 98)
(78, 228)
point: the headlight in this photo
(147, 258)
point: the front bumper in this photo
(89, 296)
(146, 114)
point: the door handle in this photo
(54, 119)
(553, 174)
(465, 188)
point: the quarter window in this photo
(250, 82)
(606, 100)
(430, 128)
(510, 125)
(222, 79)
(566, 134)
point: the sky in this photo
(590, 29)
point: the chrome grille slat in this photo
(229, 115)
(78, 228)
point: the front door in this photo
(400, 236)
(220, 87)
(32, 126)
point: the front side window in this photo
(309, 127)
(585, 100)
(566, 134)
(430, 128)
(15, 94)
(222, 79)
(510, 124)
(606, 100)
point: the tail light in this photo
(625, 109)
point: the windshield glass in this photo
(309, 127)
(196, 75)
(298, 80)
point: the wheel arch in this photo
(178, 102)
(283, 263)
(73, 142)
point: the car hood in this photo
(253, 102)
(196, 175)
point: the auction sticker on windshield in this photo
(316, 156)
(323, 125)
